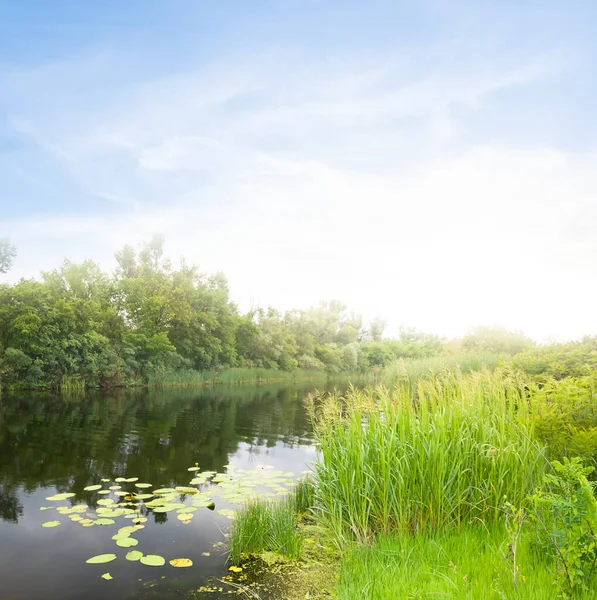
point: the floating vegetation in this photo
(50, 524)
(153, 560)
(181, 562)
(235, 487)
(100, 559)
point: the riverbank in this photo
(461, 486)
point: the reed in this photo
(388, 462)
(265, 526)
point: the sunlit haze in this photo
(432, 163)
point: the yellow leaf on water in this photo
(181, 562)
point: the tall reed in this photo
(389, 461)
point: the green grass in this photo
(233, 376)
(471, 563)
(389, 463)
(408, 372)
(266, 526)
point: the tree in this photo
(7, 255)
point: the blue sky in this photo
(430, 162)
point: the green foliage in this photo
(559, 361)
(389, 463)
(465, 563)
(151, 323)
(565, 513)
(8, 253)
(266, 526)
(496, 340)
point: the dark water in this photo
(58, 444)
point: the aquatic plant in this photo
(389, 462)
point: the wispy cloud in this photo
(310, 180)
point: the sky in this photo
(433, 163)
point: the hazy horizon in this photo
(433, 165)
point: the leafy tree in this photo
(8, 253)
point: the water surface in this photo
(52, 444)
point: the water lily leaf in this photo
(143, 485)
(185, 517)
(235, 569)
(92, 488)
(227, 512)
(140, 520)
(143, 496)
(63, 496)
(134, 555)
(130, 479)
(127, 542)
(211, 505)
(76, 518)
(153, 560)
(87, 524)
(120, 494)
(50, 524)
(119, 479)
(107, 576)
(164, 491)
(181, 562)
(115, 487)
(104, 480)
(45, 507)
(104, 522)
(187, 509)
(206, 554)
(100, 559)
(105, 502)
(103, 491)
(193, 469)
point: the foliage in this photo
(266, 526)
(8, 253)
(465, 563)
(496, 340)
(152, 323)
(389, 463)
(565, 513)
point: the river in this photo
(61, 444)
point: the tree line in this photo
(79, 322)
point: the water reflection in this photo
(50, 443)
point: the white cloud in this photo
(344, 183)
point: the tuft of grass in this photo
(266, 526)
(467, 563)
(302, 496)
(388, 462)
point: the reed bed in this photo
(266, 526)
(450, 454)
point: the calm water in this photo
(57, 444)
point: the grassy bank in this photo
(441, 488)
(236, 376)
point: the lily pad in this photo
(153, 560)
(164, 491)
(103, 491)
(193, 469)
(227, 512)
(131, 479)
(107, 576)
(143, 496)
(134, 555)
(143, 485)
(119, 479)
(58, 497)
(50, 524)
(92, 488)
(105, 480)
(181, 562)
(104, 521)
(100, 559)
(127, 542)
(186, 517)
